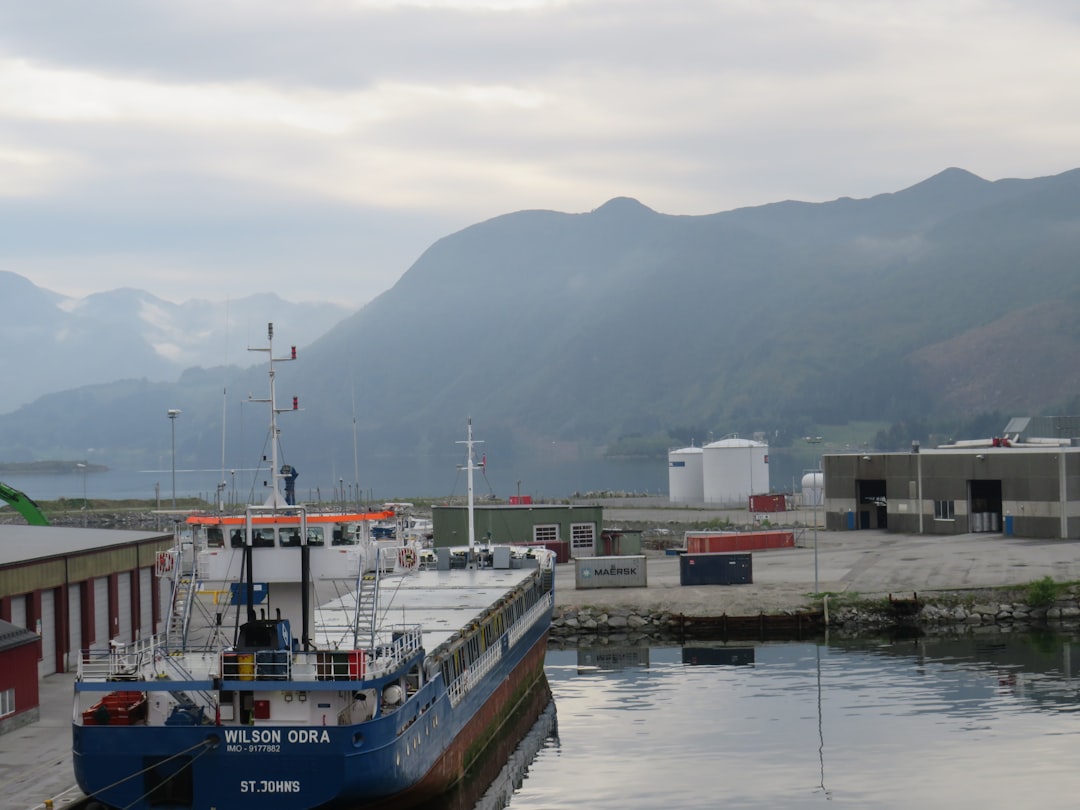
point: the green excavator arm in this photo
(23, 505)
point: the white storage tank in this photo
(686, 483)
(733, 469)
(813, 489)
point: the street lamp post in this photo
(82, 467)
(173, 413)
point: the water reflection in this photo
(882, 723)
(491, 780)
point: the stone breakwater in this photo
(956, 612)
(986, 612)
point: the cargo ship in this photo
(305, 663)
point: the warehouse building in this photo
(997, 486)
(79, 589)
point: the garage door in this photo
(75, 626)
(47, 664)
(146, 602)
(123, 609)
(101, 614)
(18, 611)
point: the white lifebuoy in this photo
(407, 558)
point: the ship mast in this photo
(275, 499)
(470, 465)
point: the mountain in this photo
(949, 298)
(52, 343)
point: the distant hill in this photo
(52, 343)
(951, 297)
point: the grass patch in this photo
(1042, 593)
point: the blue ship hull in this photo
(366, 765)
(398, 760)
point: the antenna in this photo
(276, 474)
(470, 465)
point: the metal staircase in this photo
(180, 616)
(367, 603)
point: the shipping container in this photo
(716, 569)
(610, 572)
(768, 503)
(724, 542)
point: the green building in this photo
(578, 527)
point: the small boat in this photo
(305, 664)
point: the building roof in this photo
(12, 636)
(21, 543)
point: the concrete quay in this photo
(35, 760)
(867, 563)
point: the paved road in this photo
(35, 760)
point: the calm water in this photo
(392, 480)
(917, 723)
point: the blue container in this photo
(716, 569)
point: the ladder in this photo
(180, 616)
(367, 604)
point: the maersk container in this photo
(716, 569)
(610, 572)
(686, 483)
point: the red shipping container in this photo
(768, 503)
(700, 543)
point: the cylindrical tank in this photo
(813, 489)
(734, 469)
(685, 481)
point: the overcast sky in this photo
(216, 148)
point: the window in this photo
(548, 533)
(583, 537)
(944, 510)
(7, 702)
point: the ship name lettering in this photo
(269, 786)
(253, 735)
(309, 735)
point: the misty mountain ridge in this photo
(948, 299)
(55, 342)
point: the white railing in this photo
(120, 661)
(475, 672)
(531, 617)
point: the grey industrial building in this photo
(1005, 486)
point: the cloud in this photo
(255, 141)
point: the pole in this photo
(173, 413)
(83, 468)
(918, 480)
(817, 589)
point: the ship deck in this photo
(440, 603)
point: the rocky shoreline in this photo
(955, 612)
